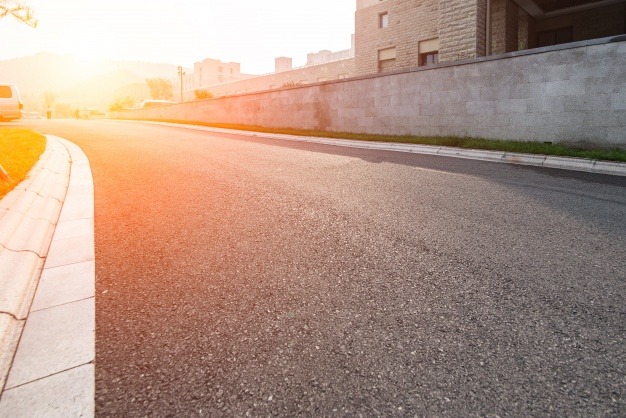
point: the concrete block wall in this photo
(571, 94)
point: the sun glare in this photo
(182, 33)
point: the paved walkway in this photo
(47, 271)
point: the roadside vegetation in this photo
(543, 148)
(160, 88)
(19, 151)
(122, 103)
(202, 94)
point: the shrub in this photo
(203, 94)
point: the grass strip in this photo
(525, 147)
(19, 151)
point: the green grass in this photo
(542, 148)
(19, 151)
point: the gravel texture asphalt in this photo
(265, 278)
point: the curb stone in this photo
(563, 163)
(47, 311)
(23, 215)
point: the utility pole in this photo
(181, 73)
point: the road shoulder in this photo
(547, 161)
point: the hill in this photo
(79, 83)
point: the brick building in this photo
(397, 34)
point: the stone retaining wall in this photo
(572, 94)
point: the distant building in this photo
(283, 64)
(399, 34)
(326, 56)
(222, 78)
(207, 73)
(212, 71)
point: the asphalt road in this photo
(243, 277)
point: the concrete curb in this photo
(47, 278)
(563, 163)
(28, 215)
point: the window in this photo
(387, 54)
(555, 37)
(219, 69)
(429, 58)
(383, 20)
(386, 59)
(428, 52)
(5, 92)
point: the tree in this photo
(18, 10)
(49, 98)
(203, 94)
(122, 103)
(160, 88)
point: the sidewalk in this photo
(47, 288)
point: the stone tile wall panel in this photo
(550, 96)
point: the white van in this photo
(10, 102)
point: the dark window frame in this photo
(558, 36)
(382, 24)
(428, 58)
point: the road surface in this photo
(249, 277)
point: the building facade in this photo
(399, 34)
(394, 35)
(221, 79)
(207, 73)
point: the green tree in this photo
(160, 88)
(18, 10)
(122, 103)
(203, 94)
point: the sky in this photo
(182, 32)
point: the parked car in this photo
(10, 102)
